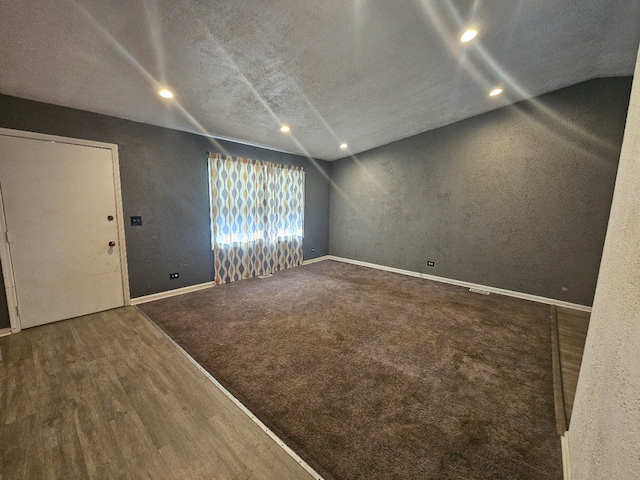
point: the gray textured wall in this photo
(517, 198)
(164, 179)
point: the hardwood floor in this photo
(572, 335)
(108, 396)
(571, 328)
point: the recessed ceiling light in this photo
(343, 146)
(495, 91)
(285, 128)
(165, 93)
(468, 35)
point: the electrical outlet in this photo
(136, 221)
(173, 276)
(431, 264)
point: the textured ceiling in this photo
(366, 72)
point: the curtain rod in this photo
(291, 166)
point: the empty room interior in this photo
(320, 240)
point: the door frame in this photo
(5, 252)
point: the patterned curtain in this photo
(257, 214)
(285, 213)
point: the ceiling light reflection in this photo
(165, 93)
(469, 35)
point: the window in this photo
(257, 216)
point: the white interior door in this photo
(63, 236)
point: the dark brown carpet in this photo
(373, 375)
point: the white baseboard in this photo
(5, 331)
(460, 283)
(316, 260)
(171, 293)
(566, 456)
(194, 288)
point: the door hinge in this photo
(6, 235)
(17, 311)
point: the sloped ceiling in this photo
(365, 72)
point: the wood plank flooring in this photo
(108, 396)
(572, 335)
(568, 337)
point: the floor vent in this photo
(477, 290)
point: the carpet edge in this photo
(236, 402)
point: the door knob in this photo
(112, 244)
